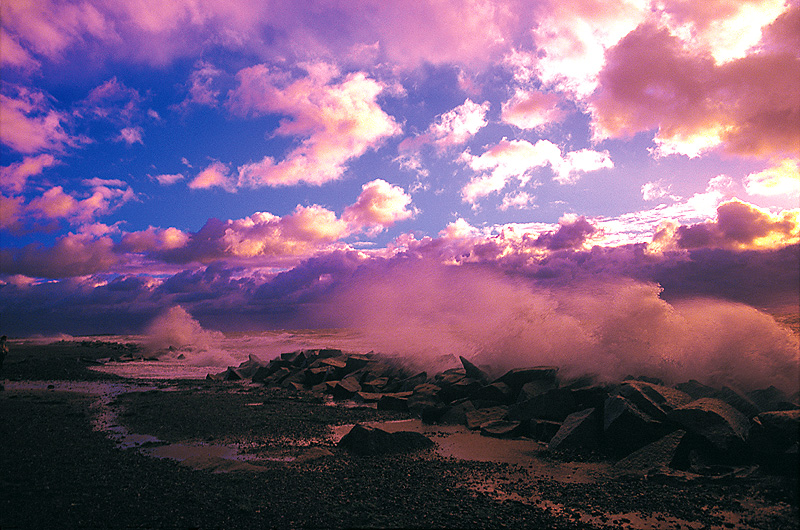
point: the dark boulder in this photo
(626, 428)
(479, 417)
(396, 401)
(543, 430)
(696, 389)
(518, 377)
(580, 431)
(474, 372)
(346, 388)
(724, 427)
(532, 389)
(738, 400)
(502, 429)
(654, 400)
(775, 432)
(553, 405)
(365, 440)
(498, 392)
(771, 398)
(669, 451)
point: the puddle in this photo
(456, 441)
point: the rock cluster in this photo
(641, 422)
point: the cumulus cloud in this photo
(215, 174)
(13, 177)
(572, 41)
(779, 180)
(338, 120)
(451, 128)
(72, 255)
(112, 101)
(14, 55)
(573, 231)
(532, 109)
(517, 200)
(740, 226)
(517, 159)
(651, 80)
(379, 206)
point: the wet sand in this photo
(97, 451)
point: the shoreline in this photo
(50, 450)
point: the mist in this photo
(174, 334)
(607, 327)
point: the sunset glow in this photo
(259, 164)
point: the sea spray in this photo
(605, 326)
(175, 334)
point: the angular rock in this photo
(724, 427)
(477, 418)
(395, 401)
(366, 440)
(532, 389)
(474, 372)
(498, 392)
(655, 400)
(346, 388)
(376, 384)
(696, 389)
(464, 388)
(775, 432)
(543, 430)
(771, 398)
(516, 378)
(315, 376)
(553, 405)
(412, 382)
(367, 397)
(355, 362)
(580, 430)
(738, 400)
(669, 451)
(502, 429)
(626, 428)
(457, 413)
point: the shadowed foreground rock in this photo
(366, 440)
(572, 416)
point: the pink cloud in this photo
(169, 179)
(215, 175)
(15, 56)
(517, 159)
(153, 239)
(532, 109)
(14, 176)
(201, 86)
(739, 226)
(451, 128)
(338, 121)
(747, 106)
(31, 125)
(779, 180)
(379, 206)
(72, 255)
(131, 135)
(56, 204)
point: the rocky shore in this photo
(636, 454)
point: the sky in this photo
(269, 164)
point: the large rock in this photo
(669, 451)
(580, 430)
(346, 388)
(654, 400)
(397, 401)
(498, 392)
(738, 400)
(696, 389)
(626, 427)
(543, 430)
(518, 377)
(474, 372)
(502, 429)
(553, 405)
(532, 389)
(724, 427)
(479, 417)
(775, 432)
(366, 440)
(771, 398)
